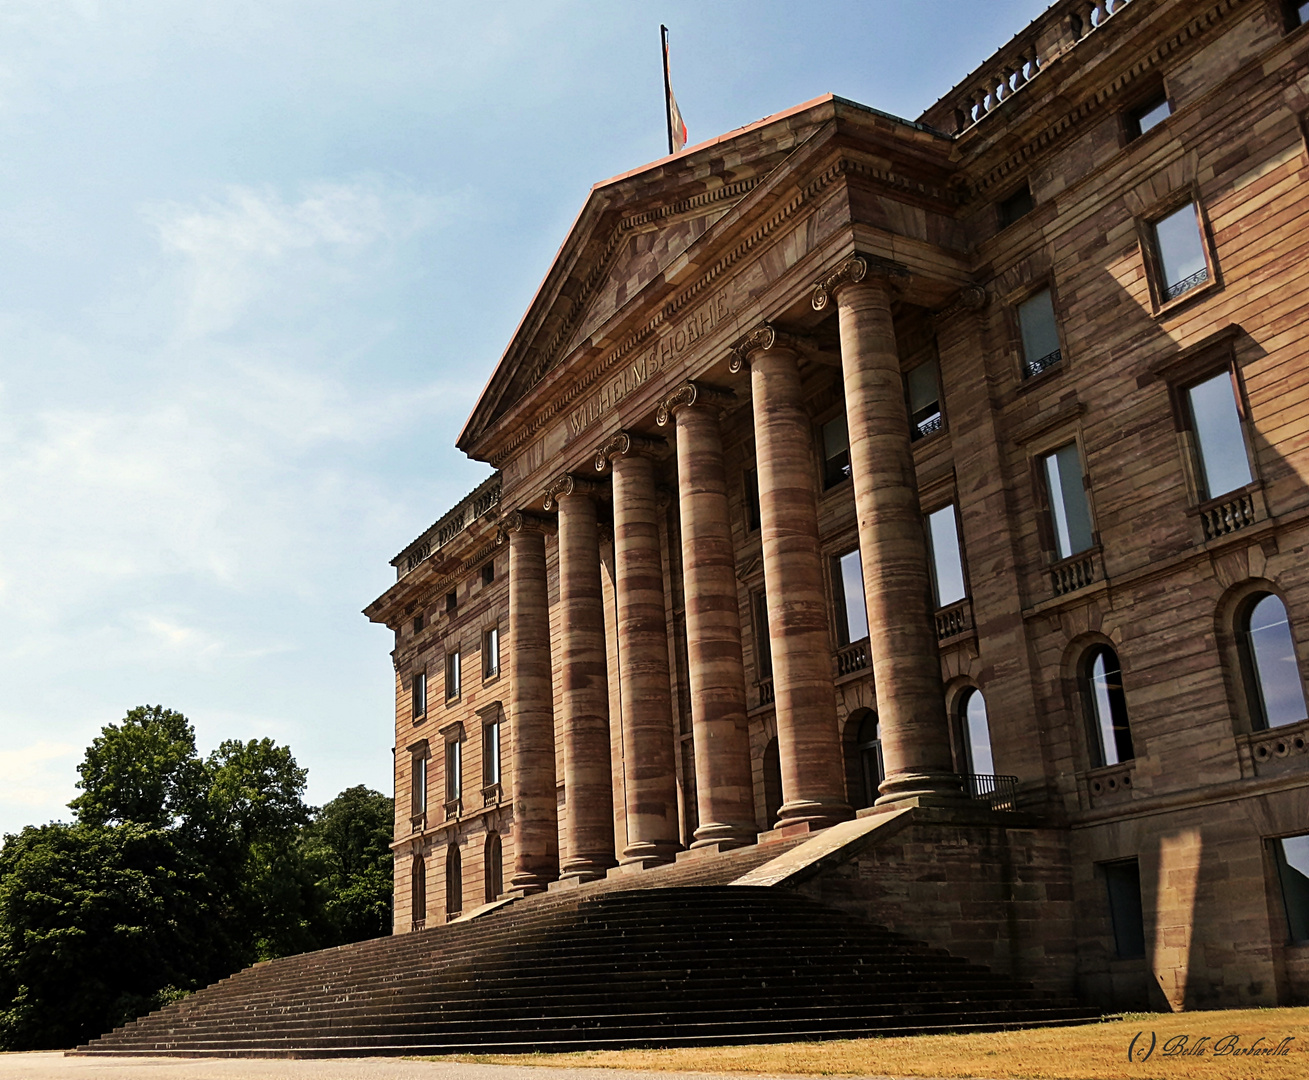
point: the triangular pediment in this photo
(631, 229)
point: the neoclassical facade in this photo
(849, 463)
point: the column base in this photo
(528, 884)
(724, 837)
(814, 814)
(650, 853)
(922, 789)
(585, 868)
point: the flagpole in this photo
(668, 87)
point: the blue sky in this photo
(256, 260)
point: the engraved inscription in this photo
(633, 374)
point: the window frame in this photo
(825, 488)
(837, 584)
(1117, 929)
(454, 769)
(916, 433)
(1141, 104)
(492, 752)
(752, 513)
(488, 573)
(763, 642)
(1277, 856)
(492, 867)
(1012, 304)
(453, 665)
(1004, 217)
(1046, 526)
(1152, 260)
(1291, 17)
(952, 501)
(419, 782)
(454, 881)
(1247, 669)
(418, 702)
(1093, 729)
(491, 649)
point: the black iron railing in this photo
(1041, 363)
(1186, 284)
(998, 792)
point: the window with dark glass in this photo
(454, 770)
(491, 653)
(1106, 705)
(1015, 206)
(763, 647)
(753, 520)
(418, 890)
(976, 733)
(452, 689)
(1291, 853)
(418, 786)
(1219, 441)
(1268, 660)
(923, 387)
(947, 559)
(848, 587)
(871, 768)
(454, 881)
(1297, 13)
(1070, 515)
(1126, 913)
(491, 753)
(1040, 334)
(418, 695)
(1147, 115)
(488, 573)
(493, 867)
(451, 602)
(418, 623)
(836, 452)
(1180, 250)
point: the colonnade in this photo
(893, 549)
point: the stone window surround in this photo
(1010, 304)
(1062, 431)
(1155, 92)
(452, 733)
(1145, 222)
(1236, 677)
(418, 751)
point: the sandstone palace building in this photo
(939, 487)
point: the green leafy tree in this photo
(348, 845)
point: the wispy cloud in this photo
(38, 776)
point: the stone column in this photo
(892, 538)
(649, 770)
(724, 780)
(588, 788)
(799, 620)
(531, 707)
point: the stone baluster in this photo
(808, 734)
(531, 706)
(649, 767)
(720, 732)
(584, 703)
(892, 539)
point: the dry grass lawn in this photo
(1086, 1052)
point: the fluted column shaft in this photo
(649, 769)
(531, 715)
(808, 736)
(893, 550)
(724, 781)
(584, 707)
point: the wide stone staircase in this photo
(659, 958)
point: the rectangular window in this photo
(491, 754)
(1297, 13)
(1017, 205)
(848, 585)
(923, 387)
(419, 694)
(836, 452)
(947, 560)
(452, 675)
(491, 653)
(753, 520)
(763, 646)
(1123, 883)
(1180, 249)
(454, 770)
(418, 623)
(1219, 442)
(1291, 854)
(1040, 334)
(1070, 515)
(1147, 115)
(488, 573)
(418, 801)
(451, 602)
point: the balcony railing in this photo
(765, 688)
(1076, 572)
(474, 506)
(998, 792)
(852, 658)
(418, 924)
(955, 619)
(1222, 517)
(1041, 363)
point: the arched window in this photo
(493, 866)
(418, 892)
(976, 733)
(1272, 676)
(772, 782)
(1106, 706)
(454, 882)
(869, 745)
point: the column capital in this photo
(854, 270)
(763, 337)
(522, 521)
(688, 394)
(568, 484)
(623, 444)
(969, 298)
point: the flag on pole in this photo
(676, 125)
